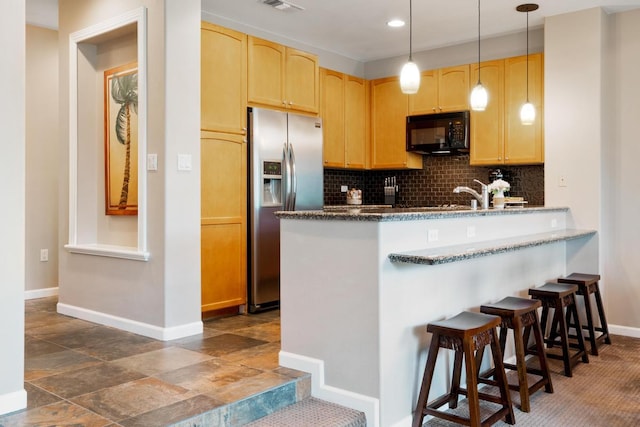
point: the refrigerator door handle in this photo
(286, 177)
(294, 178)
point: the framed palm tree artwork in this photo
(121, 139)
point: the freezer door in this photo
(305, 141)
(268, 134)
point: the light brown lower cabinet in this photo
(223, 221)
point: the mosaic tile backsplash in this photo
(433, 185)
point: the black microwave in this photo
(442, 133)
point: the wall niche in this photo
(97, 227)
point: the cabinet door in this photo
(302, 91)
(266, 64)
(487, 127)
(453, 88)
(425, 101)
(333, 122)
(355, 119)
(523, 143)
(389, 108)
(223, 221)
(223, 80)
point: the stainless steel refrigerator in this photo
(285, 173)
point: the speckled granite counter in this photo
(365, 213)
(445, 254)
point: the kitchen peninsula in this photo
(359, 286)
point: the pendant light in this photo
(479, 95)
(528, 111)
(410, 75)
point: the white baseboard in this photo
(626, 331)
(40, 293)
(152, 331)
(369, 405)
(13, 401)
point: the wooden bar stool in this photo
(465, 333)
(587, 285)
(558, 296)
(521, 315)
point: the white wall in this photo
(591, 134)
(466, 53)
(621, 143)
(161, 295)
(42, 147)
(12, 226)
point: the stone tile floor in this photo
(80, 373)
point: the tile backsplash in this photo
(433, 185)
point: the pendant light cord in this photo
(478, 41)
(410, 29)
(527, 56)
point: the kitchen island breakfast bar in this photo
(359, 286)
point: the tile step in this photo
(251, 408)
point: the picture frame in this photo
(121, 139)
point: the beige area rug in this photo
(603, 393)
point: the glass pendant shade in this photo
(410, 78)
(479, 98)
(527, 114)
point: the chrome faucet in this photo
(483, 198)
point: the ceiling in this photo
(357, 28)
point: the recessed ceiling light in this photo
(396, 23)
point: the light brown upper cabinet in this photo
(343, 109)
(389, 108)
(442, 90)
(497, 136)
(282, 77)
(223, 80)
(487, 127)
(523, 144)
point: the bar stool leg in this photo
(472, 385)
(573, 310)
(559, 318)
(592, 332)
(501, 378)
(455, 382)
(539, 343)
(418, 416)
(518, 333)
(603, 320)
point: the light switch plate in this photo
(152, 162)
(184, 162)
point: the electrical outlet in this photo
(432, 235)
(344, 188)
(471, 231)
(562, 181)
(554, 223)
(44, 255)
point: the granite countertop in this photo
(446, 254)
(382, 214)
